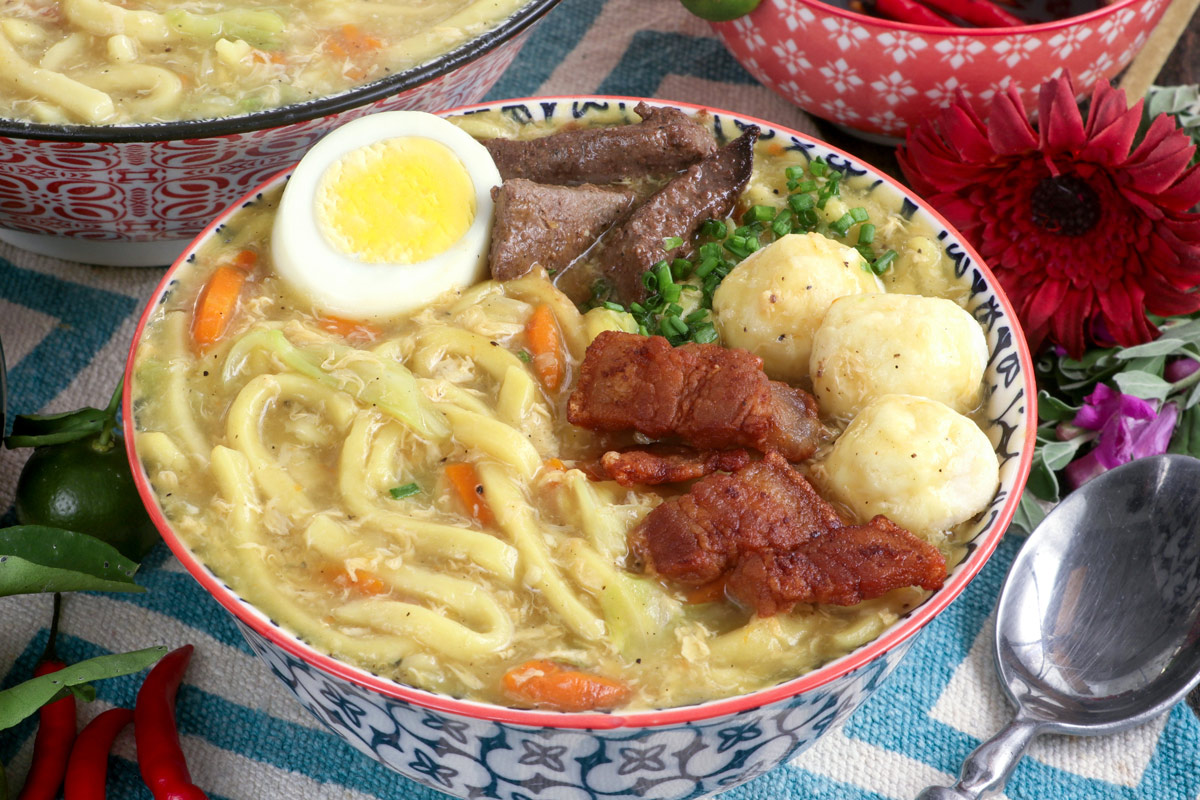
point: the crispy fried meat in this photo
(655, 464)
(778, 543)
(708, 396)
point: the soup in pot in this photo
(99, 62)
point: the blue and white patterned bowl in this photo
(469, 749)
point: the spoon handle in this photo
(989, 765)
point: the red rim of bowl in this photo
(827, 9)
(259, 622)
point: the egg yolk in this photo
(396, 201)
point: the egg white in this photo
(338, 282)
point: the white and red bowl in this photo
(472, 749)
(877, 78)
(135, 195)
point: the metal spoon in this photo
(1098, 622)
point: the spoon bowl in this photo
(1098, 621)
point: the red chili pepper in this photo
(160, 758)
(911, 12)
(87, 771)
(56, 728)
(977, 12)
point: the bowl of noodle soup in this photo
(129, 127)
(216, 438)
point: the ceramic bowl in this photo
(877, 78)
(471, 749)
(136, 195)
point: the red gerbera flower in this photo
(1085, 236)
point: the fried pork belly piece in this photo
(777, 543)
(664, 142)
(707, 396)
(655, 464)
(549, 226)
(708, 190)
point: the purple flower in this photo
(1129, 428)
(1179, 368)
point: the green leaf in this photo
(37, 558)
(1151, 365)
(1181, 102)
(1051, 409)
(1186, 438)
(31, 430)
(1193, 397)
(26, 698)
(1043, 483)
(1057, 455)
(1143, 385)
(1159, 347)
(84, 692)
(1030, 513)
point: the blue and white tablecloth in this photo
(66, 329)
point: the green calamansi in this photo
(720, 10)
(78, 479)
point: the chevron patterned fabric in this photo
(66, 329)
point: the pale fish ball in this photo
(922, 465)
(870, 345)
(772, 303)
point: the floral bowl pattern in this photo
(470, 749)
(878, 77)
(136, 195)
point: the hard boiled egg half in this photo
(384, 214)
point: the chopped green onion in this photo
(758, 214)
(714, 228)
(794, 173)
(705, 333)
(649, 280)
(671, 292)
(801, 202)
(882, 263)
(860, 214)
(681, 268)
(711, 250)
(843, 223)
(637, 308)
(672, 242)
(611, 306)
(674, 310)
(706, 266)
(407, 490)
(866, 233)
(524, 356)
(818, 167)
(643, 330)
(696, 316)
(806, 186)
(662, 274)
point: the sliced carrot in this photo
(359, 41)
(775, 149)
(546, 343)
(244, 259)
(555, 463)
(216, 305)
(351, 329)
(709, 592)
(465, 482)
(361, 581)
(550, 685)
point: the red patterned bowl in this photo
(136, 195)
(876, 77)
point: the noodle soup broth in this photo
(312, 466)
